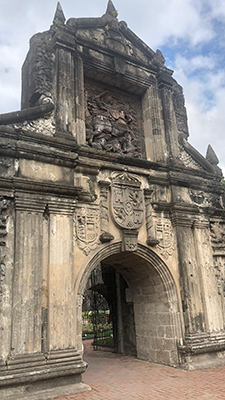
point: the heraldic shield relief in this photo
(127, 202)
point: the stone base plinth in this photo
(25, 374)
(206, 350)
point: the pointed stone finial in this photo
(211, 156)
(111, 9)
(59, 17)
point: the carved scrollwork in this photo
(219, 268)
(217, 232)
(4, 203)
(45, 125)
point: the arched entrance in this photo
(152, 288)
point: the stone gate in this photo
(96, 167)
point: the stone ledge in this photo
(203, 343)
(28, 368)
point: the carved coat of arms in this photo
(165, 237)
(127, 202)
(87, 227)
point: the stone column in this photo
(104, 212)
(150, 227)
(7, 240)
(171, 132)
(212, 302)
(65, 89)
(190, 280)
(79, 101)
(28, 272)
(61, 300)
(156, 148)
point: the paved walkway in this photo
(115, 377)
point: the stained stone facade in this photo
(96, 168)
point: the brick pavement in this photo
(115, 377)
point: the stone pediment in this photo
(110, 35)
(191, 158)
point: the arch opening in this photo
(147, 322)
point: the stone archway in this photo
(155, 300)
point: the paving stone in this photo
(115, 377)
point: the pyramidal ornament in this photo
(211, 156)
(59, 17)
(111, 10)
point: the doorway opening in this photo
(142, 303)
(107, 311)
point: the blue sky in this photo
(190, 34)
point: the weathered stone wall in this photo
(97, 168)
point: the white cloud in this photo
(159, 23)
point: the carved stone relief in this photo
(41, 62)
(45, 125)
(129, 242)
(87, 227)
(113, 121)
(165, 237)
(219, 268)
(180, 110)
(4, 203)
(40, 125)
(127, 203)
(3, 219)
(217, 232)
(188, 161)
(200, 198)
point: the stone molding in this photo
(28, 368)
(203, 343)
(61, 206)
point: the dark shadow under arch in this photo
(156, 305)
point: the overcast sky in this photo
(190, 34)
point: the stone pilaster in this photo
(79, 101)
(212, 303)
(150, 226)
(191, 295)
(104, 212)
(65, 87)
(61, 301)
(27, 279)
(156, 148)
(6, 273)
(171, 133)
